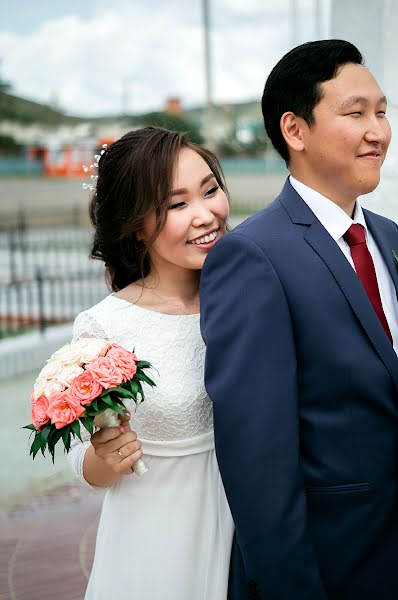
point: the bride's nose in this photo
(202, 216)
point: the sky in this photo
(101, 57)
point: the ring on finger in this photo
(120, 454)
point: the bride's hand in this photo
(118, 447)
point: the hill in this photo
(21, 110)
(27, 112)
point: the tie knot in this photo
(355, 235)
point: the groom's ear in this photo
(292, 128)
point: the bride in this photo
(159, 206)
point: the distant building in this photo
(173, 106)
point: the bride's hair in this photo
(135, 177)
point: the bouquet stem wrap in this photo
(110, 418)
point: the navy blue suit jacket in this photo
(304, 384)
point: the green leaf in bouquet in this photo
(46, 432)
(92, 409)
(66, 436)
(90, 413)
(117, 409)
(75, 427)
(88, 424)
(134, 389)
(51, 448)
(143, 364)
(44, 437)
(141, 391)
(94, 405)
(107, 400)
(55, 435)
(36, 446)
(31, 427)
(53, 438)
(118, 400)
(145, 378)
(120, 391)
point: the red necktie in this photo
(355, 238)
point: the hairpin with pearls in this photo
(94, 165)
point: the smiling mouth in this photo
(205, 239)
(370, 155)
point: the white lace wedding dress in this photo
(166, 535)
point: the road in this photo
(48, 195)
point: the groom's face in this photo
(346, 146)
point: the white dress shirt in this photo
(337, 222)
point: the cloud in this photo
(133, 55)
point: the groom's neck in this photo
(341, 195)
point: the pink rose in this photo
(124, 360)
(39, 411)
(85, 388)
(105, 371)
(63, 409)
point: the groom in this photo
(300, 318)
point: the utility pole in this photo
(125, 100)
(209, 123)
(318, 18)
(293, 22)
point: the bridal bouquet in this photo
(84, 383)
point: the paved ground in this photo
(47, 520)
(47, 545)
(48, 195)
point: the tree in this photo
(174, 123)
(4, 85)
(8, 145)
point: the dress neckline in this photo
(152, 312)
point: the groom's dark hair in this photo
(294, 84)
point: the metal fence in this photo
(46, 278)
(17, 222)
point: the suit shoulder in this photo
(380, 219)
(265, 218)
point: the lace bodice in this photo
(178, 408)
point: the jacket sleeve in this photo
(251, 378)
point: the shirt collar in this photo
(333, 218)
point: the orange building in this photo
(67, 160)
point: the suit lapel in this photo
(328, 250)
(386, 242)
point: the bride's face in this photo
(197, 215)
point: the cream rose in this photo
(68, 374)
(92, 349)
(53, 386)
(51, 370)
(71, 356)
(39, 387)
(58, 353)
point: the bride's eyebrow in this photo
(185, 191)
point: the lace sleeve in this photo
(85, 326)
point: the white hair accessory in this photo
(94, 165)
